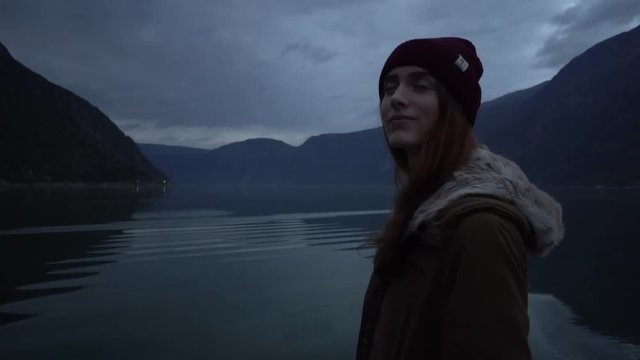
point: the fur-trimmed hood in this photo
(488, 173)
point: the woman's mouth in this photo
(400, 122)
(400, 118)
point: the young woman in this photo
(450, 271)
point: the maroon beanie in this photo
(450, 60)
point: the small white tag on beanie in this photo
(461, 63)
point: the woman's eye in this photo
(388, 88)
(422, 87)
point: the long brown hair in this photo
(447, 146)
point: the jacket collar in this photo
(490, 174)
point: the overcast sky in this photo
(205, 73)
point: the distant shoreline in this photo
(80, 185)
(594, 187)
(128, 185)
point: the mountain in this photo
(499, 114)
(578, 129)
(352, 158)
(229, 164)
(581, 127)
(48, 134)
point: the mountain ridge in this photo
(51, 135)
(549, 129)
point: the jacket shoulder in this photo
(472, 204)
(482, 212)
(487, 231)
(474, 223)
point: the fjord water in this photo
(268, 272)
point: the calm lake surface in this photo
(269, 273)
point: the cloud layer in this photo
(281, 68)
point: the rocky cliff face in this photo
(49, 134)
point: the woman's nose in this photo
(398, 98)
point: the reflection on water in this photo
(555, 336)
(28, 259)
(220, 279)
(215, 280)
(23, 207)
(595, 269)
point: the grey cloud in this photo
(309, 6)
(158, 60)
(591, 13)
(315, 54)
(186, 71)
(580, 24)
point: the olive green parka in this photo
(461, 291)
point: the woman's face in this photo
(409, 107)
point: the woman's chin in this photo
(401, 140)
